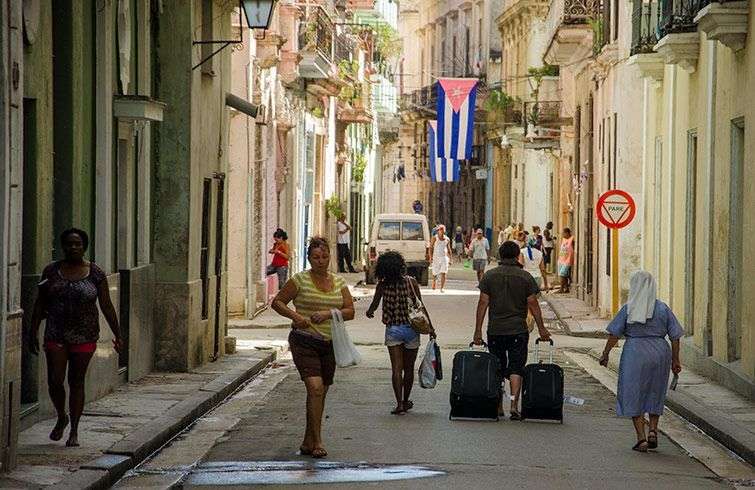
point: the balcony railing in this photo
(542, 113)
(677, 16)
(644, 23)
(316, 34)
(425, 98)
(580, 11)
(344, 47)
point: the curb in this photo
(562, 316)
(127, 453)
(713, 422)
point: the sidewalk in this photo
(119, 430)
(721, 413)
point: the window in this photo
(412, 230)
(389, 230)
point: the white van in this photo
(407, 234)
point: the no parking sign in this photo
(615, 209)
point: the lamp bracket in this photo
(225, 43)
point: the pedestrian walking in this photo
(458, 245)
(440, 251)
(395, 289)
(549, 241)
(565, 260)
(532, 261)
(280, 252)
(67, 298)
(479, 249)
(314, 293)
(508, 233)
(343, 244)
(520, 239)
(646, 358)
(536, 239)
(507, 292)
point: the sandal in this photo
(408, 405)
(304, 451)
(57, 432)
(639, 446)
(652, 439)
(515, 416)
(319, 452)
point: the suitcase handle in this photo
(537, 350)
(484, 345)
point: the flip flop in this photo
(638, 447)
(652, 439)
(408, 405)
(319, 452)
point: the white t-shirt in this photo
(532, 265)
(343, 238)
(480, 249)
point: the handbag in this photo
(418, 317)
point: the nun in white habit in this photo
(646, 359)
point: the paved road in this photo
(265, 421)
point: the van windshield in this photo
(412, 230)
(389, 230)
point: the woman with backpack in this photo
(395, 289)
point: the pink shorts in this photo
(86, 348)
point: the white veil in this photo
(642, 296)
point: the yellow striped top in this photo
(309, 299)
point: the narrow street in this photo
(253, 437)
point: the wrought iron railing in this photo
(579, 11)
(541, 113)
(644, 23)
(344, 47)
(677, 16)
(316, 33)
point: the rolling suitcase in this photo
(543, 389)
(475, 385)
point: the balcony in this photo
(316, 45)
(724, 21)
(421, 102)
(570, 27)
(679, 41)
(544, 114)
(354, 104)
(644, 39)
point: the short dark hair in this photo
(75, 231)
(509, 250)
(317, 242)
(390, 267)
(279, 233)
(567, 230)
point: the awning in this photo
(241, 105)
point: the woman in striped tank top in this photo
(314, 293)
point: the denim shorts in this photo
(401, 334)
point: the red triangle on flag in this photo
(457, 90)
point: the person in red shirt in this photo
(280, 253)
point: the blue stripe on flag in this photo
(470, 122)
(441, 115)
(431, 152)
(455, 121)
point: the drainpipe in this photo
(251, 297)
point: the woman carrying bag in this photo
(315, 293)
(402, 326)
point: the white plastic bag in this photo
(427, 377)
(344, 349)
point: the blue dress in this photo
(645, 360)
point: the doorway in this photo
(736, 235)
(219, 234)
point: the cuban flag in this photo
(456, 105)
(441, 169)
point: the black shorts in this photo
(313, 357)
(511, 350)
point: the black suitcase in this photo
(475, 385)
(543, 389)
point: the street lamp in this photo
(258, 13)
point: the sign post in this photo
(615, 210)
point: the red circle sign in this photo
(615, 209)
